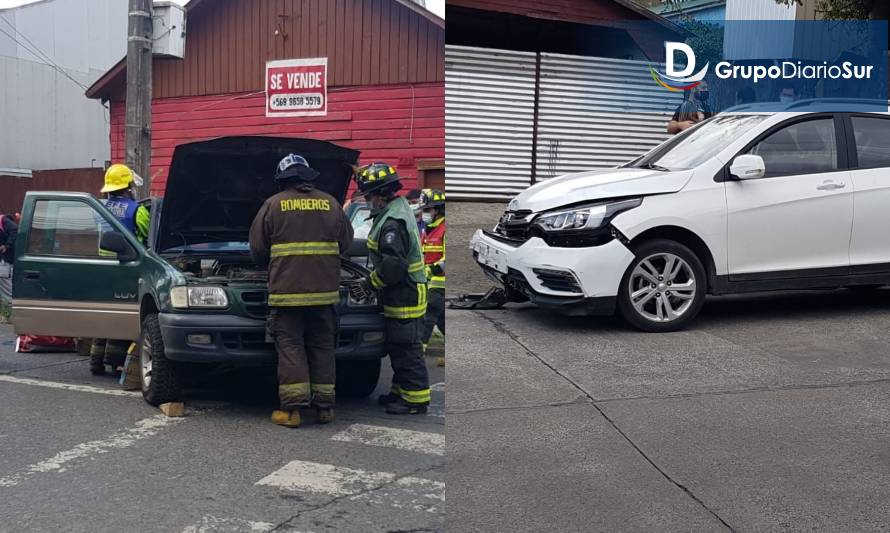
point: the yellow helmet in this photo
(119, 177)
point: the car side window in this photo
(67, 228)
(808, 147)
(872, 141)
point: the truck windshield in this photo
(696, 145)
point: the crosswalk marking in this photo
(144, 429)
(212, 524)
(402, 439)
(340, 481)
(69, 386)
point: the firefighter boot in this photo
(325, 415)
(386, 399)
(401, 407)
(289, 419)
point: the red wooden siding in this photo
(367, 42)
(397, 124)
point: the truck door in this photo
(63, 285)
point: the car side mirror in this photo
(748, 167)
(114, 241)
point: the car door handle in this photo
(32, 274)
(831, 185)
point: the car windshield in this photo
(695, 146)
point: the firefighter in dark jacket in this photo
(398, 273)
(300, 234)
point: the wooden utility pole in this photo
(138, 121)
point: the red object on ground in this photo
(42, 343)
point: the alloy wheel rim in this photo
(662, 287)
(145, 362)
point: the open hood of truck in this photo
(598, 185)
(216, 187)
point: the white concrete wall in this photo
(46, 122)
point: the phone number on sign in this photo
(284, 102)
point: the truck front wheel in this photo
(158, 375)
(357, 379)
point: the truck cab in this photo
(191, 294)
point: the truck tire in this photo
(357, 379)
(158, 375)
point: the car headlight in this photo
(198, 297)
(586, 217)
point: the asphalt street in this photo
(771, 413)
(77, 454)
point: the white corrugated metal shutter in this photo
(597, 112)
(489, 100)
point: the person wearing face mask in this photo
(683, 119)
(788, 94)
(398, 275)
(413, 197)
(433, 203)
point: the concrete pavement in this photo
(772, 413)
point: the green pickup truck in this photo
(193, 295)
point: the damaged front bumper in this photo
(577, 281)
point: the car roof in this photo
(815, 105)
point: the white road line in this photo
(144, 429)
(212, 524)
(438, 386)
(402, 439)
(339, 481)
(70, 386)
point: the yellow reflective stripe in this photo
(296, 391)
(376, 281)
(404, 312)
(323, 388)
(437, 282)
(305, 248)
(415, 396)
(433, 248)
(416, 267)
(303, 299)
(372, 244)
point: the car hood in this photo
(216, 187)
(598, 185)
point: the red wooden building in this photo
(385, 80)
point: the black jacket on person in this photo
(8, 231)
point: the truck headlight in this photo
(370, 301)
(198, 297)
(586, 217)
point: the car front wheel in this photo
(664, 287)
(158, 375)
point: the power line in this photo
(39, 54)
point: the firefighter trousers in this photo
(435, 313)
(305, 339)
(403, 343)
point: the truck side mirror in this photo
(748, 167)
(114, 241)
